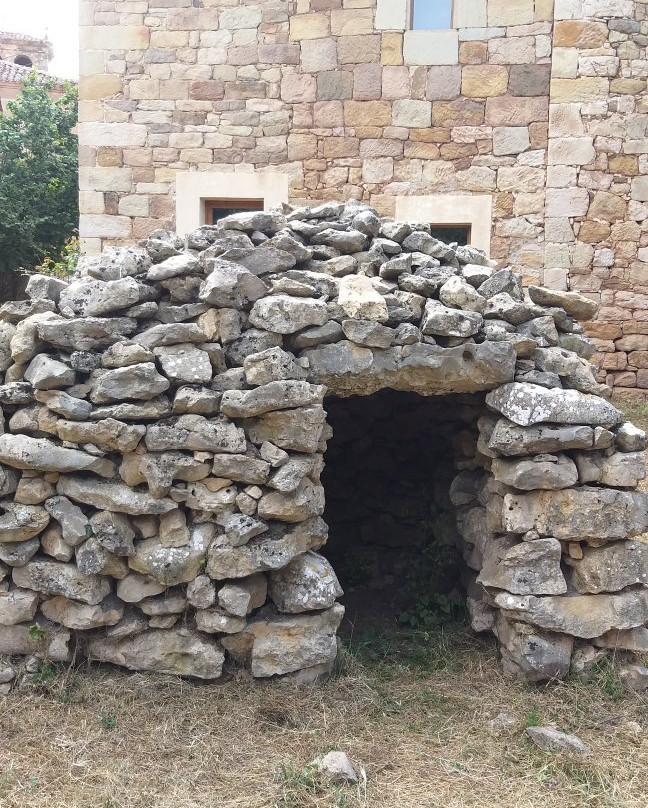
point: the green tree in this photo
(39, 207)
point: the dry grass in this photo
(413, 712)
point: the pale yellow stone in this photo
(90, 111)
(91, 202)
(114, 37)
(431, 47)
(482, 81)
(544, 10)
(92, 88)
(391, 51)
(470, 14)
(564, 63)
(510, 12)
(579, 91)
(91, 226)
(144, 89)
(351, 22)
(308, 26)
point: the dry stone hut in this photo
(166, 423)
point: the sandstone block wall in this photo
(164, 431)
(539, 105)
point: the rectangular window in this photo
(430, 15)
(216, 209)
(452, 233)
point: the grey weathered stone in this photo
(18, 553)
(95, 298)
(54, 578)
(241, 468)
(630, 438)
(46, 373)
(308, 583)
(360, 300)
(244, 596)
(82, 616)
(109, 434)
(527, 404)
(184, 364)
(541, 471)
(123, 354)
(76, 409)
(40, 454)
(618, 470)
(575, 304)
(230, 285)
(282, 644)
(512, 440)
(272, 365)
(17, 606)
(199, 401)
(134, 588)
(173, 565)
(527, 568)
(368, 333)
(170, 334)
(74, 523)
(19, 523)
(201, 592)
(584, 616)
(179, 652)
(305, 501)
(84, 334)
(283, 314)
(299, 430)
(183, 264)
(576, 514)
(270, 551)
(112, 496)
(114, 532)
(289, 394)
(217, 621)
(336, 767)
(552, 740)
(610, 568)
(240, 528)
(196, 433)
(141, 382)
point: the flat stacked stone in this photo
(165, 430)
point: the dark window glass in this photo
(451, 233)
(431, 14)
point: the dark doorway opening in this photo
(392, 531)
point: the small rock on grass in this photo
(502, 722)
(336, 767)
(552, 740)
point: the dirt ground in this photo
(410, 709)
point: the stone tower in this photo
(24, 50)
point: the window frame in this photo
(468, 226)
(410, 17)
(220, 203)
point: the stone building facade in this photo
(524, 121)
(19, 56)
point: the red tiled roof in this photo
(10, 72)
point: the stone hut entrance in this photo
(393, 538)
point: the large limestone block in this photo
(109, 434)
(585, 616)
(283, 644)
(40, 454)
(179, 652)
(578, 306)
(94, 298)
(19, 639)
(526, 568)
(541, 471)
(443, 321)
(526, 404)
(82, 616)
(308, 583)
(610, 568)
(198, 434)
(46, 373)
(112, 496)
(577, 514)
(274, 549)
(85, 334)
(511, 440)
(299, 430)
(283, 314)
(185, 364)
(280, 395)
(347, 369)
(54, 578)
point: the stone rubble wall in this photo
(165, 425)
